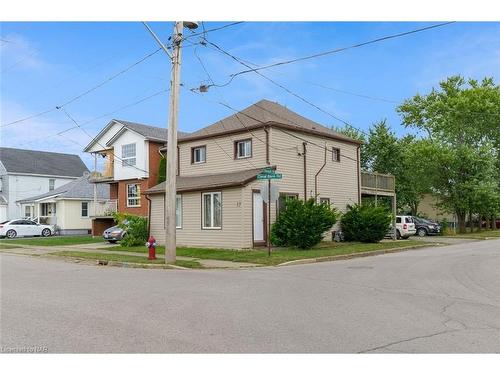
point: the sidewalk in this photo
(85, 248)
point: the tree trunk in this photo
(479, 223)
(471, 222)
(461, 222)
(493, 222)
(488, 223)
(414, 209)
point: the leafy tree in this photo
(136, 228)
(366, 223)
(463, 119)
(359, 136)
(162, 170)
(302, 224)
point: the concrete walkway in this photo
(97, 248)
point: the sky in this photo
(44, 65)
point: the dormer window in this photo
(243, 149)
(199, 155)
(128, 155)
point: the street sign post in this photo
(269, 174)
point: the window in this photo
(408, 219)
(283, 198)
(27, 211)
(128, 155)
(243, 149)
(48, 209)
(52, 183)
(398, 220)
(335, 154)
(85, 209)
(212, 210)
(133, 195)
(178, 211)
(199, 155)
(324, 201)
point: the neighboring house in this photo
(428, 208)
(128, 157)
(219, 202)
(69, 207)
(24, 173)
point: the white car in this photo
(405, 227)
(23, 227)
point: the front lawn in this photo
(123, 258)
(281, 255)
(53, 241)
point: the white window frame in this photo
(204, 154)
(138, 197)
(52, 184)
(87, 209)
(247, 149)
(178, 211)
(31, 211)
(212, 211)
(336, 151)
(129, 159)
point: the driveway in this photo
(436, 300)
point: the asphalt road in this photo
(439, 300)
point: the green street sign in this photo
(269, 174)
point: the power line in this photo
(286, 89)
(79, 96)
(343, 48)
(204, 32)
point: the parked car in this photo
(114, 234)
(405, 227)
(426, 227)
(23, 227)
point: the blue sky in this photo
(45, 64)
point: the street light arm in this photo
(158, 40)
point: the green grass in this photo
(53, 241)
(280, 255)
(3, 245)
(123, 258)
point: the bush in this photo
(365, 223)
(162, 170)
(302, 224)
(136, 228)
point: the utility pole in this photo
(170, 183)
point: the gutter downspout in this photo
(304, 144)
(359, 172)
(316, 178)
(266, 130)
(149, 214)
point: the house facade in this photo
(127, 158)
(69, 208)
(25, 173)
(219, 201)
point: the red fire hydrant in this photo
(151, 245)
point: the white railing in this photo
(106, 208)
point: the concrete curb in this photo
(357, 255)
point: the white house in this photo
(69, 207)
(25, 173)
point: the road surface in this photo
(436, 300)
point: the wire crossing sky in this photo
(91, 69)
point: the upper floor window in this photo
(283, 198)
(85, 209)
(133, 195)
(243, 149)
(335, 154)
(128, 154)
(324, 201)
(52, 183)
(199, 155)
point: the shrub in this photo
(366, 223)
(302, 224)
(136, 228)
(162, 170)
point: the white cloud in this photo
(21, 53)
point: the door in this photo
(258, 218)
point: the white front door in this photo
(258, 218)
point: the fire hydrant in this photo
(151, 245)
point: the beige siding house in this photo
(219, 202)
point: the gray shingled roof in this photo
(200, 182)
(148, 131)
(81, 188)
(41, 162)
(265, 112)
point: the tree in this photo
(162, 170)
(359, 136)
(463, 119)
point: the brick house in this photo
(127, 157)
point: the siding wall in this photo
(220, 154)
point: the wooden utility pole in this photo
(170, 183)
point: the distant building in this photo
(25, 173)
